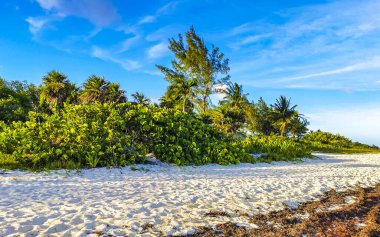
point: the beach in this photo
(163, 199)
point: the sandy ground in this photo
(172, 200)
(350, 213)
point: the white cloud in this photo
(167, 8)
(161, 11)
(249, 40)
(99, 12)
(240, 29)
(147, 19)
(162, 34)
(158, 51)
(333, 41)
(372, 63)
(360, 123)
(49, 4)
(128, 43)
(103, 54)
(36, 24)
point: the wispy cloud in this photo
(158, 51)
(128, 43)
(161, 11)
(163, 33)
(249, 40)
(241, 29)
(147, 19)
(105, 55)
(36, 24)
(320, 40)
(99, 12)
(49, 4)
(372, 63)
(104, 16)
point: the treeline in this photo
(196, 73)
(58, 125)
(61, 125)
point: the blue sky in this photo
(325, 55)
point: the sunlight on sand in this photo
(173, 199)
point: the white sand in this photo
(173, 199)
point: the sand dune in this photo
(173, 199)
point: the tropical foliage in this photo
(195, 72)
(60, 125)
(274, 148)
(16, 100)
(140, 98)
(328, 142)
(98, 89)
(56, 89)
(114, 135)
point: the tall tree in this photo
(229, 117)
(94, 89)
(140, 98)
(298, 126)
(115, 94)
(235, 98)
(98, 89)
(194, 61)
(15, 102)
(181, 94)
(283, 113)
(56, 89)
(260, 120)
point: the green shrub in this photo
(328, 142)
(96, 135)
(179, 137)
(67, 139)
(276, 147)
(114, 135)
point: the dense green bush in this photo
(95, 135)
(276, 147)
(328, 138)
(78, 136)
(114, 135)
(179, 137)
(184, 139)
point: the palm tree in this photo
(234, 97)
(299, 126)
(283, 113)
(56, 89)
(186, 92)
(115, 94)
(94, 89)
(140, 98)
(100, 90)
(181, 92)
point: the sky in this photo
(324, 55)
